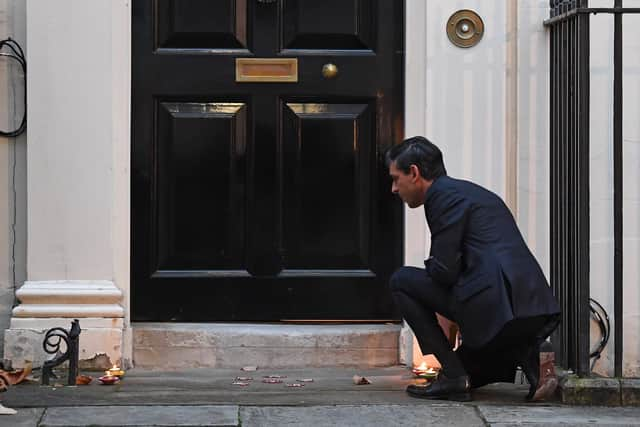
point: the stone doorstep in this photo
(599, 391)
(232, 345)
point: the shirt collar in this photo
(431, 190)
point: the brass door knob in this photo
(329, 71)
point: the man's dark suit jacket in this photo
(478, 251)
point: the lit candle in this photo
(425, 371)
(420, 368)
(115, 371)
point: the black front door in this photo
(264, 201)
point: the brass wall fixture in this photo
(465, 28)
(265, 70)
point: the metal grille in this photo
(569, 24)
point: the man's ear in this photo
(415, 172)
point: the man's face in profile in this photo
(407, 185)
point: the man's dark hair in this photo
(418, 151)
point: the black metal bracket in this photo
(71, 339)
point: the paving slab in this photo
(138, 416)
(362, 415)
(27, 417)
(504, 416)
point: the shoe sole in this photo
(456, 397)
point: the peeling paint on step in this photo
(99, 361)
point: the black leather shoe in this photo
(530, 364)
(443, 388)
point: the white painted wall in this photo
(13, 171)
(70, 160)
(631, 193)
(79, 144)
(533, 170)
(465, 93)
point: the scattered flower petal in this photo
(83, 379)
(358, 380)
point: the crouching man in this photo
(480, 274)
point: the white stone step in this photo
(234, 345)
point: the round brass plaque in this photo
(465, 28)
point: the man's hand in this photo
(450, 329)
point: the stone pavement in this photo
(206, 397)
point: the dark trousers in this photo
(419, 298)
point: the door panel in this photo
(328, 24)
(201, 24)
(328, 152)
(201, 226)
(264, 201)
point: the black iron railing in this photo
(52, 344)
(569, 25)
